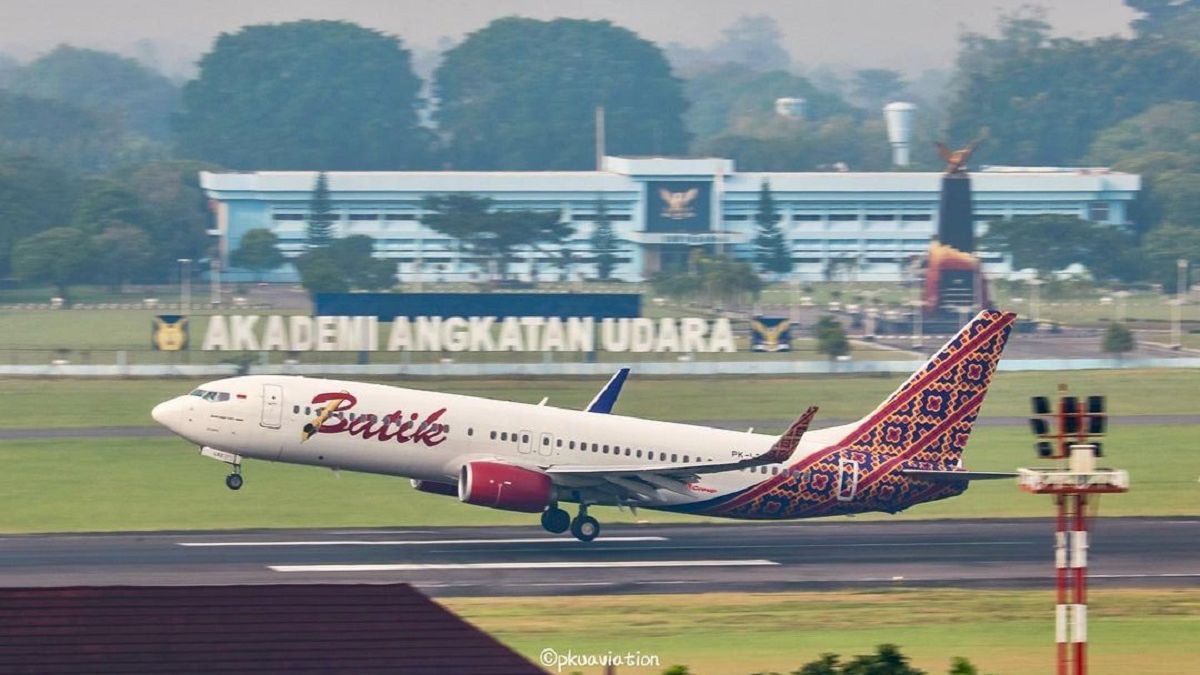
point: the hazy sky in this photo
(907, 35)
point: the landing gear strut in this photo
(585, 527)
(556, 520)
(234, 480)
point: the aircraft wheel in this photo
(585, 528)
(233, 481)
(556, 520)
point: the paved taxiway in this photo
(626, 559)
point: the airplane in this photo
(534, 458)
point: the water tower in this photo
(898, 116)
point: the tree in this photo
(1118, 339)
(34, 196)
(345, 264)
(741, 99)
(106, 203)
(319, 273)
(355, 256)
(604, 242)
(875, 87)
(177, 216)
(831, 337)
(60, 256)
(320, 213)
(521, 94)
(771, 250)
(492, 237)
(258, 252)
(62, 134)
(122, 253)
(1053, 242)
(1166, 244)
(139, 98)
(1001, 85)
(1167, 18)
(305, 95)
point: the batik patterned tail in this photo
(925, 424)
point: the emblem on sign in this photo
(770, 334)
(678, 205)
(169, 332)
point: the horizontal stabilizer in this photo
(956, 476)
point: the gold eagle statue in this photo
(956, 160)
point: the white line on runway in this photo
(406, 542)
(414, 567)
(1164, 575)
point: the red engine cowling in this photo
(448, 489)
(504, 486)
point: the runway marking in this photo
(404, 542)
(583, 564)
(1145, 576)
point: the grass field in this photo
(1149, 632)
(82, 403)
(160, 484)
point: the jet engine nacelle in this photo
(504, 486)
(448, 489)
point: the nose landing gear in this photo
(234, 480)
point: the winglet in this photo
(607, 398)
(783, 448)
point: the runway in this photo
(626, 559)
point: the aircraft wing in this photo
(642, 479)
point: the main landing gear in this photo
(583, 526)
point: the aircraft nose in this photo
(167, 413)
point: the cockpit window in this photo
(217, 396)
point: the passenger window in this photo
(558, 443)
(685, 459)
(504, 435)
(571, 445)
(605, 449)
(545, 440)
(626, 452)
(493, 435)
(595, 448)
(307, 411)
(295, 410)
(470, 431)
(524, 438)
(639, 454)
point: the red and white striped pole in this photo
(1079, 548)
(1061, 583)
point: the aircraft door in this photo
(272, 406)
(847, 483)
(546, 444)
(525, 442)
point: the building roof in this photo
(261, 628)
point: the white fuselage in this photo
(263, 417)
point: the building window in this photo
(364, 216)
(288, 216)
(843, 217)
(916, 217)
(806, 217)
(1098, 212)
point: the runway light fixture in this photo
(1070, 434)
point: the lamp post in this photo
(214, 281)
(1122, 297)
(185, 285)
(1181, 267)
(1033, 298)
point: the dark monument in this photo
(954, 281)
